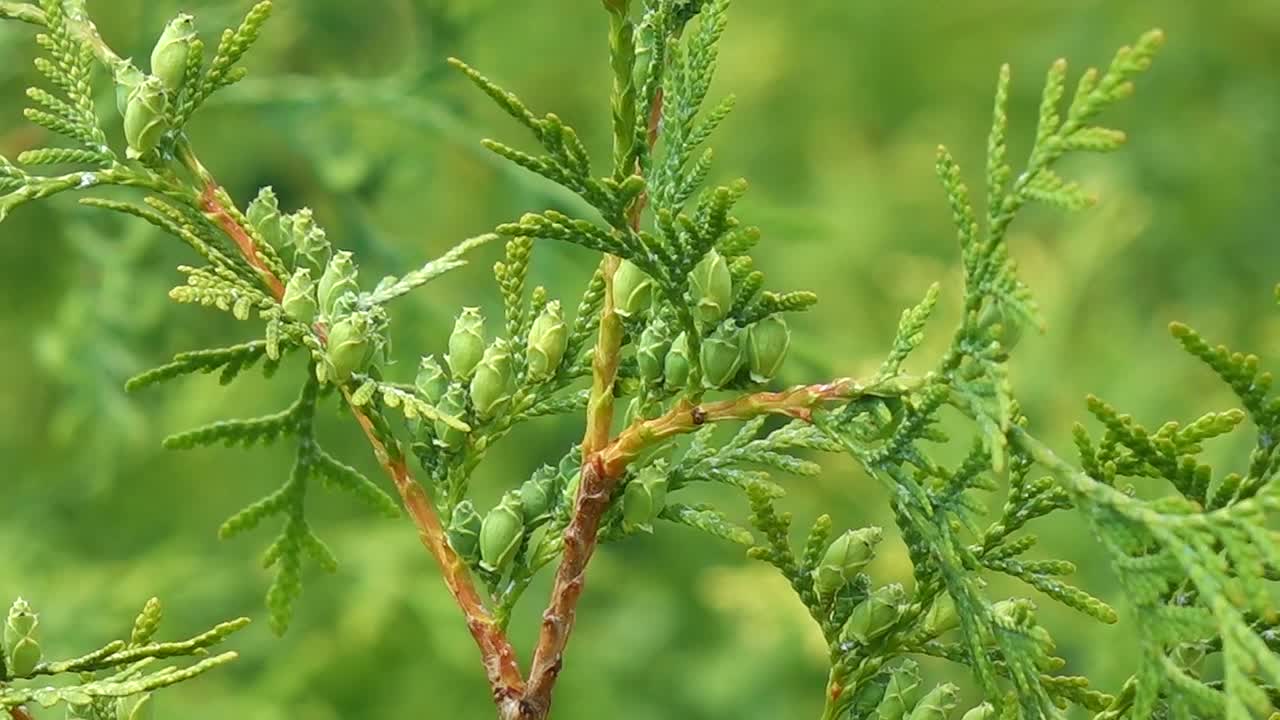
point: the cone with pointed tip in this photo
(938, 704)
(453, 404)
(464, 531)
(632, 290)
(501, 532)
(535, 496)
(644, 498)
(712, 287)
(901, 693)
(350, 348)
(845, 558)
(21, 639)
(652, 350)
(491, 383)
(548, 340)
(676, 365)
(300, 296)
(722, 356)
(431, 382)
(145, 121)
(170, 54)
(127, 76)
(466, 343)
(339, 279)
(264, 215)
(875, 615)
(942, 616)
(767, 343)
(985, 711)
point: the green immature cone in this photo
(431, 382)
(644, 498)
(350, 347)
(901, 693)
(985, 711)
(500, 533)
(466, 344)
(722, 356)
(548, 340)
(942, 616)
(300, 296)
(845, 558)
(938, 704)
(264, 215)
(651, 353)
(339, 279)
(535, 497)
(632, 290)
(145, 120)
(127, 76)
(997, 314)
(453, 404)
(134, 707)
(676, 366)
(875, 615)
(464, 531)
(767, 345)
(491, 384)
(712, 286)
(308, 239)
(169, 57)
(21, 639)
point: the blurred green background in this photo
(350, 109)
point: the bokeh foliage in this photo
(350, 110)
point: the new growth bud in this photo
(712, 287)
(464, 531)
(632, 290)
(501, 532)
(431, 382)
(169, 57)
(339, 278)
(845, 558)
(767, 343)
(144, 117)
(644, 498)
(548, 340)
(21, 639)
(300, 296)
(466, 344)
(490, 386)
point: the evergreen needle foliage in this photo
(675, 335)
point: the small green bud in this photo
(134, 707)
(712, 287)
(875, 615)
(169, 57)
(942, 616)
(501, 533)
(901, 693)
(722, 356)
(548, 339)
(307, 238)
(431, 382)
(997, 313)
(144, 117)
(466, 344)
(645, 497)
(985, 711)
(264, 215)
(571, 472)
(339, 278)
(350, 347)
(21, 642)
(300, 296)
(676, 365)
(464, 531)
(535, 495)
(632, 290)
(491, 384)
(845, 558)
(453, 404)
(938, 704)
(767, 345)
(127, 76)
(651, 353)
(1020, 613)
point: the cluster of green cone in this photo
(727, 348)
(145, 100)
